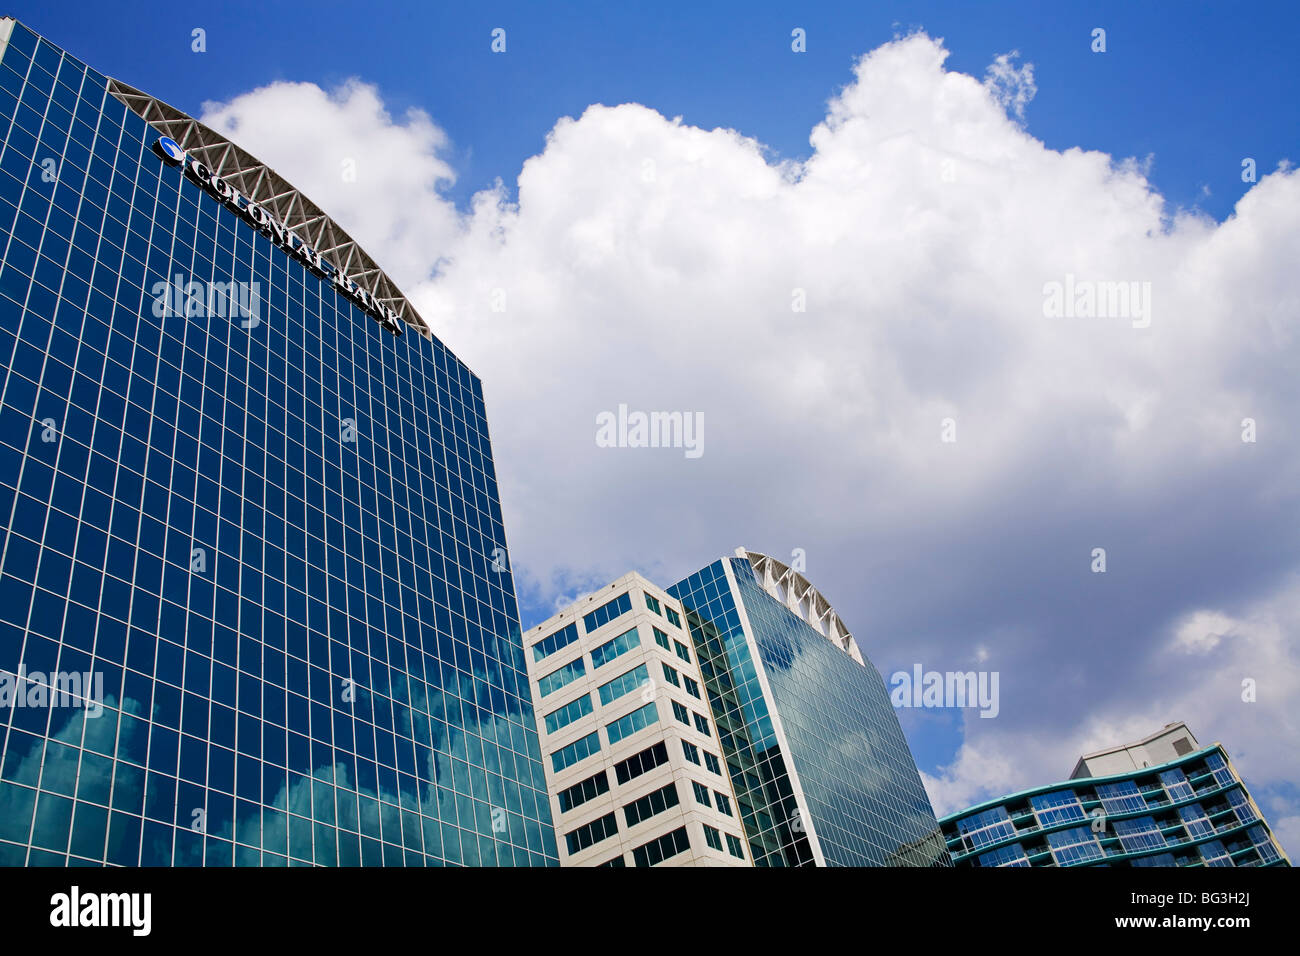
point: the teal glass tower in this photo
(261, 521)
(1176, 804)
(821, 770)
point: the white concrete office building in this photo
(633, 763)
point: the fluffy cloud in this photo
(1234, 680)
(826, 317)
(1013, 87)
(375, 177)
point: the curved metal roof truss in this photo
(266, 187)
(796, 592)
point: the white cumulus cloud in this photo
(832, 319)
(377, 178)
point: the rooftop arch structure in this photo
(797, 593)
(263, 185)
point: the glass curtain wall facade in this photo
(272, 541)
(1193, 811)
(820, 767)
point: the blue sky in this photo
(1198, 86)
(821, 434)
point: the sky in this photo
(867, 268)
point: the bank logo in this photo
(257, 214)
(169, 149)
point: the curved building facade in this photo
(255, 605)
(821, 770)
(1171, 803)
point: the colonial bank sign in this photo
(280, 234)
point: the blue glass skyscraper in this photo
(259, 520)
(821, 770)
